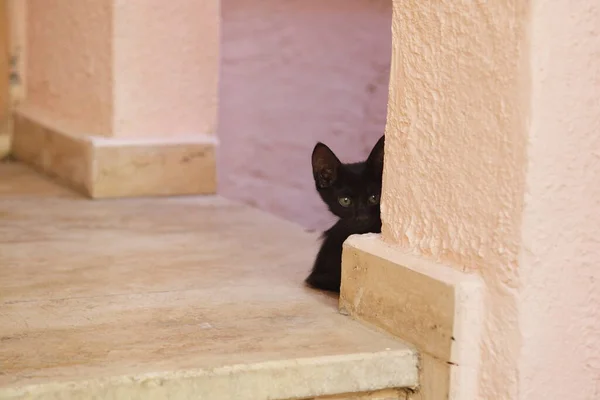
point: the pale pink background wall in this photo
(293, 73)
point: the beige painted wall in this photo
(17, 14)
(4, 62)
(4, 69)
(492, 168)
(12, 23)
(126, 69)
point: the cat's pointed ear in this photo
(375, 160)
(325, 165)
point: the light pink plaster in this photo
(122, 68)
(560, 257)
(166, 60)
(69, 63)
(293, 73)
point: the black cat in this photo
(351, 191)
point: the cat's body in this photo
(351, 192)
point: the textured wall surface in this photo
(166, 60)
(560, 261)
(455, 154)
(68, 68)
(125, 68)
(293, 73)
(493, 166)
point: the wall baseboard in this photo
(433, 307)
(107, 168)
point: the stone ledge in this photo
(386, 394)
(288, 379)
(435, 308)
(105, 167)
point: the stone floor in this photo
(193, 297)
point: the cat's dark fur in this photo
(351, 192)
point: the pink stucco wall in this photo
(492, 167)
(166, 60)
(127, 69)
(69, 63)
(294, 73)
(455, 155)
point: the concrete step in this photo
(193, 297)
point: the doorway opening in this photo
(294, 73)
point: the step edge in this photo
(274, 380)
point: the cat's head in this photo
(351, 191)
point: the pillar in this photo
(455, 156)
(559, 263)
(489, 253)
(121, 96)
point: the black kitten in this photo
(351, 191)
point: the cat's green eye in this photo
(345, 201)
(374, 199)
